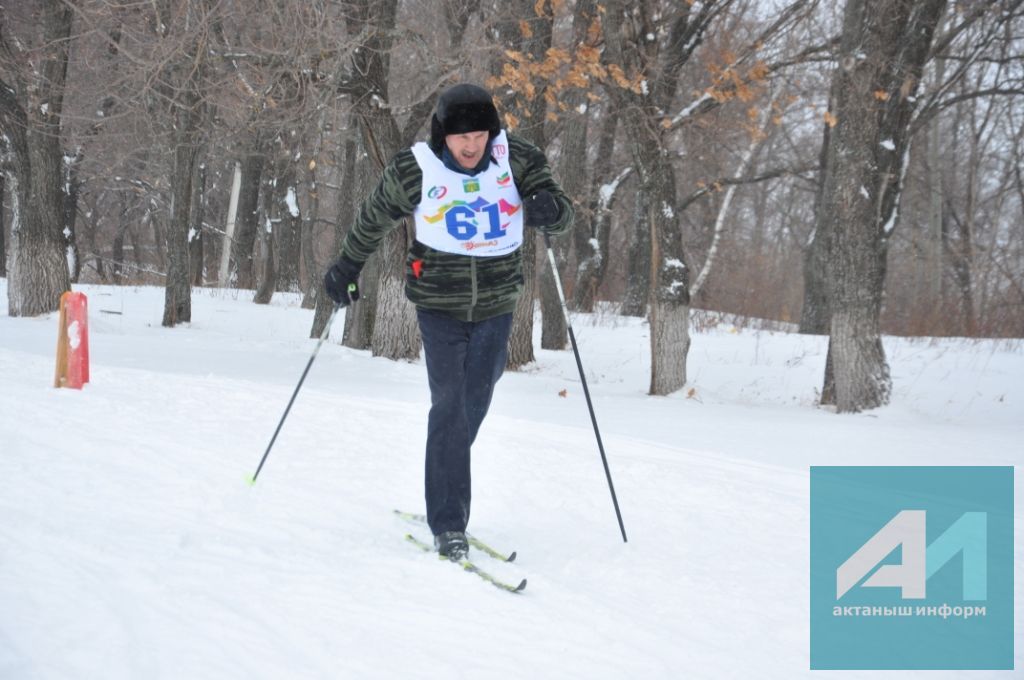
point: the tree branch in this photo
(790, 15)
(929, 113)
(774, 173)
(977, 10)
(417, 114)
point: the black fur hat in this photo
(463, 108)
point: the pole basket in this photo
(72, 342)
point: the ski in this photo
(473, 540)
(470, 567)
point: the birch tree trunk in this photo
(230, 227)
(746, 159)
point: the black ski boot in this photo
(452, 544)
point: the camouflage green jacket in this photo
(468, 288)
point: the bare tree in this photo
(882, 53)
(592, 232)
(311, 215)
(69, 211)
(3, 224)
(196, 240)
(34, 47)
(365, 77)
(248, 213)
(573, 111)
(525, 27)
(273, 59)
(288, 225)
(183, 86)
(265, 270)
(358, 318)
(973, 35)
(650, 69)
(618, 92)
(395, 331)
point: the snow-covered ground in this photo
(131, 545)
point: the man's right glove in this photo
(540, 210)
(342, 281)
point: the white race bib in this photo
(480, 216)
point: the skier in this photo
(470, 191)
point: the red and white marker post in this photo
(72, 342)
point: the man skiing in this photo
(470, 191)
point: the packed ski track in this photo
(132, 545)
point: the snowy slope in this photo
(132, 547)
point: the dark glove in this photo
(341, 281)
(540, 210)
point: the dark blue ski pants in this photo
(464, 361)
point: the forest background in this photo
(850, 169)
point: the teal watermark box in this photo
(911, 568)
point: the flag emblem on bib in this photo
(470, 185)
(504, 180)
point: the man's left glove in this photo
(342, 281)
(540, 210)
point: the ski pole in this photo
(320, 342)
(583, 379)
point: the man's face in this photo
(468, 147)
